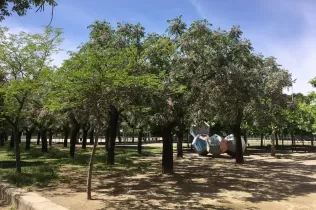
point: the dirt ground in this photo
(285, 182)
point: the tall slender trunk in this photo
(16, 138)
(239, 150)
(44, 140)
(133, 134)
(6, 137)
(107, 137)
(312, 141)
(20, 136)
(66, 135)
(188, 139)
(179, 144)
(261, 142)
(84, 137)
(91, 134)
(1, 138)
(12, 139)
(167, 151)
(273, 135)
(73, 138)
(50, 138)
(89, 179)
(38, 137)
(114, 115)
(139, 142)
(119, 133)
(276, 138)
(28, 137)
(245, 137)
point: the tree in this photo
(23, 58)
(21, 6)
(103, 78)
(313, 82)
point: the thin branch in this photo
(52, 16)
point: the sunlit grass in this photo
(41, 169)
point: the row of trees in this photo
(161, 82)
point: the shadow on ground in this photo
(200, 182)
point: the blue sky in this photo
(282, 28)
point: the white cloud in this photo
(298, 56)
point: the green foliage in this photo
(313, 82)
(21, 6)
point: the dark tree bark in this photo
(1, 138)
(84, 136)
(50, 138)
(73, 138)
(114, 116)
(28, 137)
(6, 137)
(12, 139)
(17, 138)
(237, 136)
(38, 137)
(312, 141)
(167, 151)
(273, 137)
(245, 137)
(107, 138)
(44, 140)
(119, 133)
(66, 135)
(261, 143)
(20, 136)
(91, 136)
(139, 142)
(276, 138)
(179, 144)
(133, 134)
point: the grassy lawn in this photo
(43, 169)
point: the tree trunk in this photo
(91, 134)
(1, 138)
(312, 141)
(276, 138)
(167, 151)
(84, 137)
(179, 144)
(20, 136)
(273, 135)
(91, 166)
(107, 138)
(38, 137)
(237, 136)
(50, 138)
(133, 134)
(12, 139)
(6, 136)
(28, 137)
(73, 138)
(119, 133)
(139, 142)
(114, 115)
(16, 137)
(261, 143)
(66, 135)
(245, 137)
(44, 140)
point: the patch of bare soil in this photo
(263, 182)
